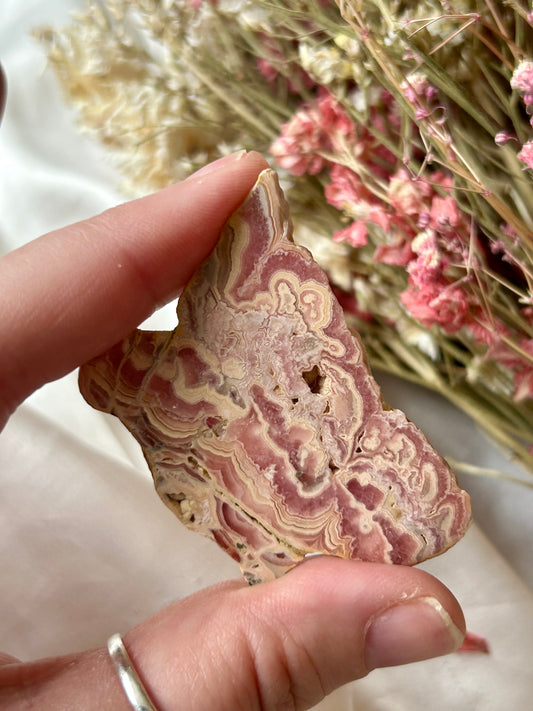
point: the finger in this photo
(7, 659)
(287, 644)
(73, 293)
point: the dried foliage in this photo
(403, 135)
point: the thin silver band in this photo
(132, 685)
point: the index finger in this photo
(71, 294)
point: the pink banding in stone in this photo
(260, 420)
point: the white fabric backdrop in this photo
(86, 547)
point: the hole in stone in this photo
(333, 468)
(314, 379)
(235, 396)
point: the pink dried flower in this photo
(443, 180)
(506, 253)
(355, 234)
(526, 344)
(417, 88)
(299, 147)
(502, 137)
(397, 254)
(522, 79)
(519, 365)
(346, 192)
(421, 95)
(418, 206)
(523, 374)
(314, 130)
(344, 136)
(423, 220)
(527, 313)
(422, 113)
(510, 232)
(346, 188)
(497, 246)
(269, 71)
(444, 213)
(379, 216)
(441, 305)
(334, 121)
(406, 195)
(489, 333)
(322, 129)
(427, 267)
(526, 154)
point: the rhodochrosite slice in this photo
(260, 420)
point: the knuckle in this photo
(287, 678)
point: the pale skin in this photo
(294, 640)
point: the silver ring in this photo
(132, 685)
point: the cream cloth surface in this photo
(87, 548)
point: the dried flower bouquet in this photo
(403, 134)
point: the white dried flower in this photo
(365, 96)
(325, 63)
(419, 337)
(255, 18)
(331, 256)
(349, 45)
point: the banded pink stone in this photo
(260, 420)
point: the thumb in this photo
(287, 644)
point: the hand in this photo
(283, 645)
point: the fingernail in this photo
(218, 164)
(409, 632)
